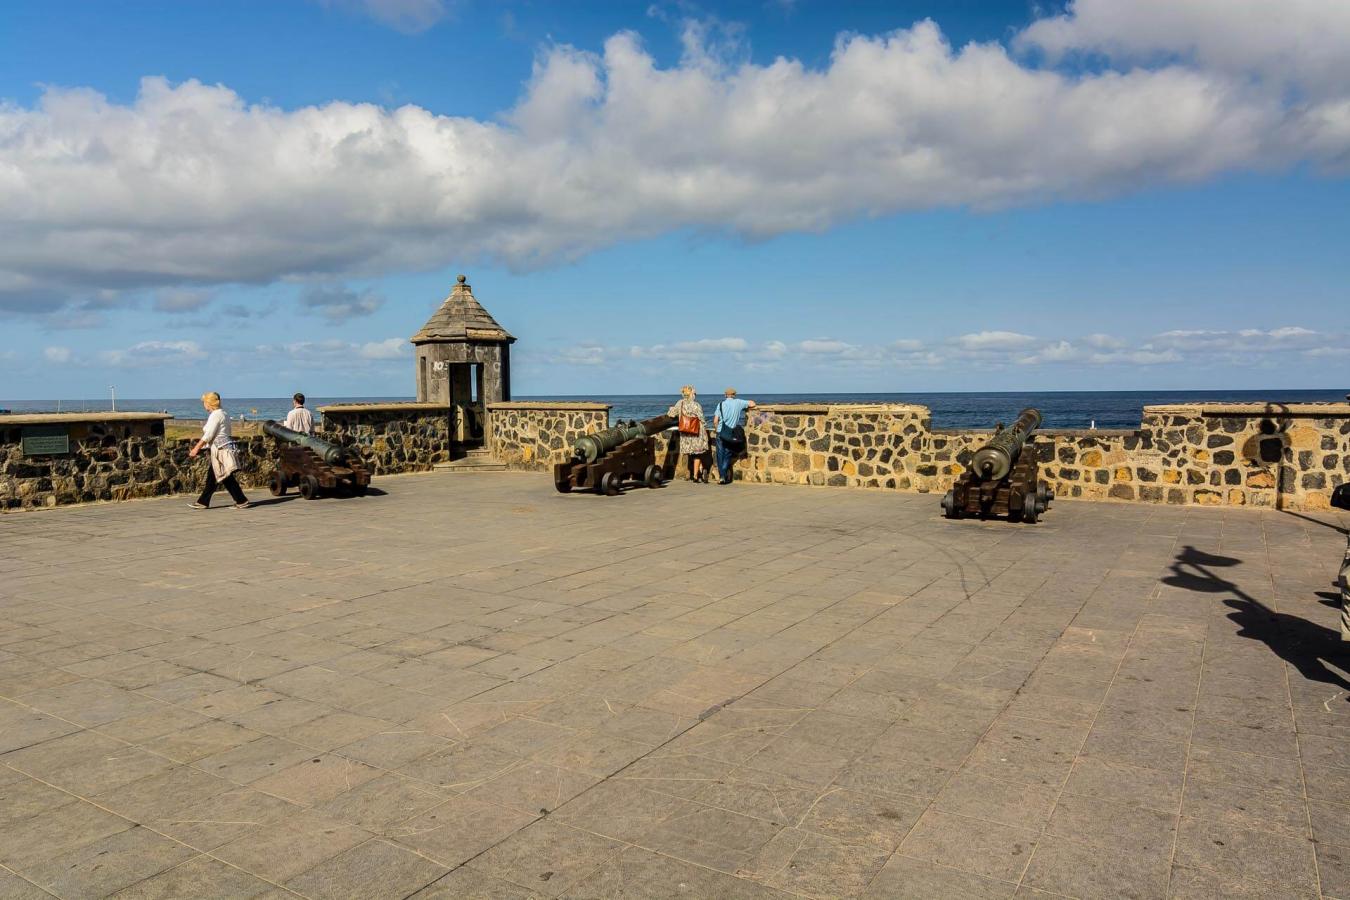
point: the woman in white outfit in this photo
(224, 454)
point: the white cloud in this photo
(1089, 351)
(56, 354)
(688, 351)
(153, 353)
(994, 341)
(1300, 42)
(389, 348)
(986, 350)
(712, 345)
(331, 353)
(190, 184)
(590, 355)
(824, 346)
(1242, 340)
(1103, 341)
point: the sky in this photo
(782, 195)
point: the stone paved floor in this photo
(471, 686)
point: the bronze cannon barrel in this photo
(995, 459)
(590, 447)
(329, 453)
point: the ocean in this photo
(1061, 409)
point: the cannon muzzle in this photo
(329, 453)
(995, 459)
(590, 447)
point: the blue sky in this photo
(789, 196)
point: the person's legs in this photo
(232, 485)
(696, 459)
(724, 460)
(205, 498)
(733, 452)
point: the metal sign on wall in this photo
(45, 440)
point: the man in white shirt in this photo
(300, 419)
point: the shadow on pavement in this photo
(1331, 525)
(1302, 644)
(270, 500)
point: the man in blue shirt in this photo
(729, 424)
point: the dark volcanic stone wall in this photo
(391, 438)
(121, 459)
(117, 459)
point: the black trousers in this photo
(228, 482)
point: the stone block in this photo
(1260, 479)
(1317, 500)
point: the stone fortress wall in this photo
(125, 456)
(1261, 455)
(535, 435)
(1264, 455)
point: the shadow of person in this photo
(1192, 571)
(1302, 644)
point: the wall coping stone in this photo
(1266, 409)
(549, 404)
(406, 406)
(832, 408)
(70, 417)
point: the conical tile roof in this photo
(461, 318)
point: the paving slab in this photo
(480, 687)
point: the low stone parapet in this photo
(537, 434)
(391, 437)
(1287, 456)
(55, 458)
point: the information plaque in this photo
(45, 440)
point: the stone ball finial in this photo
(461, 279)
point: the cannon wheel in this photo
(309, 487)
(277, 485)
(609, 484)
(949, 506)
(652, 477)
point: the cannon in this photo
(603, 460)
(313, 465)
(1003, 478)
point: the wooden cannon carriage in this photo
(604, 461)
(314, 466)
